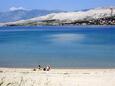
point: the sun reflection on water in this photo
(66, 37)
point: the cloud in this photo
(16, 8)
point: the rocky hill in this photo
(97, 16)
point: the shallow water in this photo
(59, 46)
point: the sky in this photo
(67, 5)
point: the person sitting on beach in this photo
(34, 69)
(44, 69)
(39, 67)
(48, 68)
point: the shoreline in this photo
(55, 69)
(54, 25)
(75, 68)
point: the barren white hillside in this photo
(80, 15)
(70, 16)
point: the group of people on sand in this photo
(47, 68)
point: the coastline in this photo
(57, 25)
(57, 77)
(6, 69)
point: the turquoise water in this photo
(59, 46)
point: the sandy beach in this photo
(57, 77)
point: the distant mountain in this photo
(80, 15)
(96, 16)
(16, 15)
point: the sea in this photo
(58, 46)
